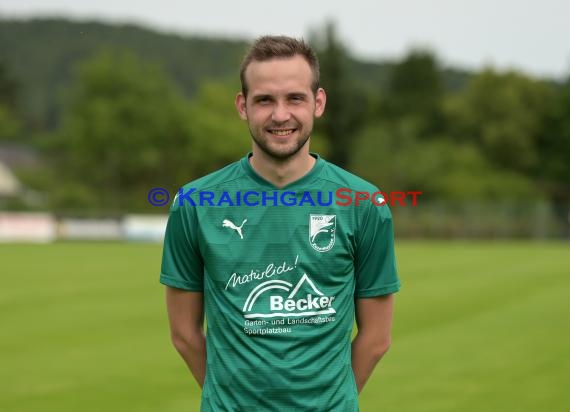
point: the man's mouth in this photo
(281, 132)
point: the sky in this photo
(526, 35)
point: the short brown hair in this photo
(271, 47)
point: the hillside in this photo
(41, 54)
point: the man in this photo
(279, 271)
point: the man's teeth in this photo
(282, 132)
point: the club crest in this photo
(322, 230)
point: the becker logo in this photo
(304, 299)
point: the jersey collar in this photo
(307, 178)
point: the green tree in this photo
(8, 88)
(553, 167)
(10, 123)
(415, 92)
(125, 131)
(217, 129)
(344, 112)
(397, 158)
(10, 126)
(503, 114)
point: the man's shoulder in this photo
(349, 183)
(344, 179)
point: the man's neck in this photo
(282, 173)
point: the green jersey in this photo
(280, 269)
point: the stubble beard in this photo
(277, 152)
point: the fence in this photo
(502, 220)
(469, 220)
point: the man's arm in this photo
(186, 316)
(374, 322)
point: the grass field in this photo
(478, 327)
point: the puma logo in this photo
(231, 225)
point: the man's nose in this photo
(280, 113)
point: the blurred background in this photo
(467, 102)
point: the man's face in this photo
(280, 105)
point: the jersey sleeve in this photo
(182, 264)
(375, 261)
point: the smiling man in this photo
(282, 290)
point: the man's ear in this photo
(320, 102)
(240, 106)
